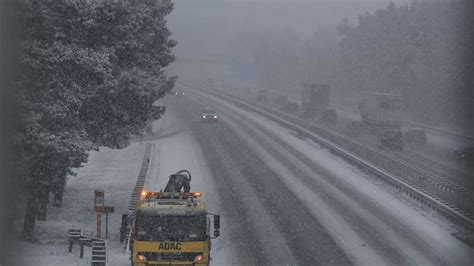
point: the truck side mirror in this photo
(123, 228)
(125, 219)
(217, 222)
(217, 233)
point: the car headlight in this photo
(215, 116)
(203, 116)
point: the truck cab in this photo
(172, 228)
(314, 99)
(381, 111)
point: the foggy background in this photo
(207, 29)
(277, 45)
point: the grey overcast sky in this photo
(205, 28)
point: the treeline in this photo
(88, 75)
(423, 50)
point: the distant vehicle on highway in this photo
(261, 96)
(381, 111)
(178, 93)
(314, 99)
(392, 139)
(291, 107)
(465, 154)
(354, 128)
(416, 136)
(209, 115)
(330, 116)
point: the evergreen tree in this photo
(89, 74)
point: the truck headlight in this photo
(215, 116)
(203, 116)
(199, 258)
(141, 258)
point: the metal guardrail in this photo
(445, 132)
(136, 193)
(73, 236)
(419, 184)
(98, 246)
(99, 252)
(142, 175)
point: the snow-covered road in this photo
(175, 149)
(282, 200)
(333, 202)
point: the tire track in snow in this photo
(250, 229)
(397, 242)
(301, 231)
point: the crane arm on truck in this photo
(178, 181)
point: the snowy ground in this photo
(282, 200)
(175, 149)
(114, 171)
(439, 153)
(403, 227)
(437, 156)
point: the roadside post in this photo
(100, 207)
(108, 209)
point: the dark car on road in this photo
(330, 116)
(354, 128)
(416, 136)
(392, 139)
(291, 107)
(209, 115)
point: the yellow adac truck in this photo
(172, 228)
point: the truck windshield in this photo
(170, 228)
